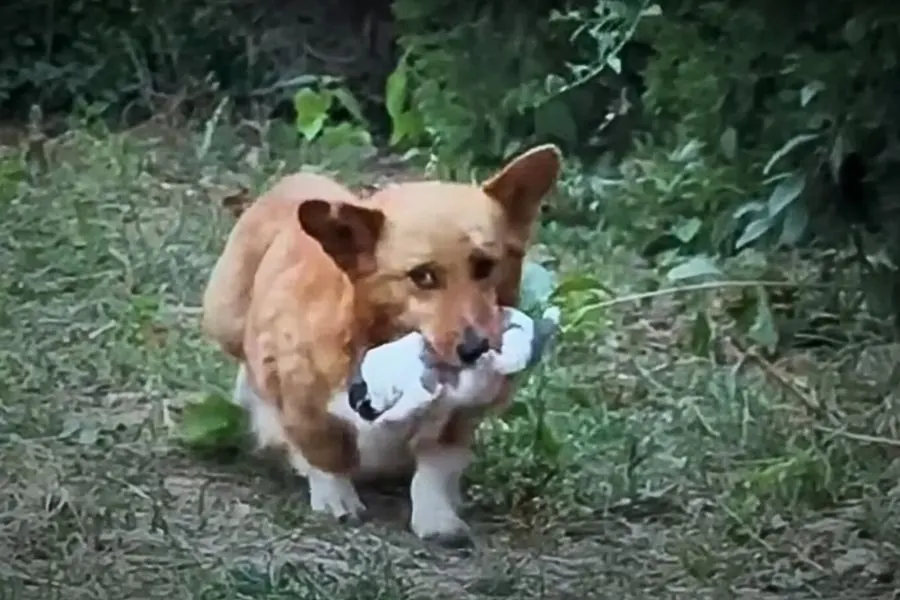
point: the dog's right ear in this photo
(347, 232)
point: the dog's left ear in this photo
(521, 185)
(347, 232)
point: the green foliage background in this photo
(703, 129)
(692, 128)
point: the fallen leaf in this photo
(213, 422)
(237, 202)
(855, 559)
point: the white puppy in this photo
(399, 381)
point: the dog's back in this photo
(229, 290)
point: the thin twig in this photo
(709, 285)
(859, 437)
(798, 554)
(811, 405)
(783, 380)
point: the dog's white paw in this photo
(443, 527)
(435, 494)
(335, 496)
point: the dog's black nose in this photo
(472, 346)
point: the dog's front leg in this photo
(329, 493)
(436, 494)
(322, 446)
(325, 451)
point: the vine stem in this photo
(709, 285)
(596, 71)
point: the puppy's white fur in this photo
(394, 374)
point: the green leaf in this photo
(763, 331)
(395, 90)
(344, 135)
(728, 143)
(755, 229)
(555, 118)
(213, 422)
(701, 334)
(785, 193)
(687, 230)
(698, 266)
(854, 31)
(787, 148)
(614, 63)
(407, 125)
(546, 441)
(810, 91)
(796, 219)
(346, 99)
(312, 112)
(519, 410)
(750, 207)
(578, 283)
(836, 156)
(537, 286)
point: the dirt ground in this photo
(630, 468)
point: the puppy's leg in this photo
(436, 495)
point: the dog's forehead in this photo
(437, 216)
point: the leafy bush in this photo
(700, 127)
(694, 128)
(152, 56)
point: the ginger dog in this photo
(311, 276)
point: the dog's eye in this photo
(482, 267)
(425, 277)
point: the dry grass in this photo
(629, 468)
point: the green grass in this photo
(630, 467)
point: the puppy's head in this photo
(448, 254)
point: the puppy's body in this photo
(311, 276)
(401, 381)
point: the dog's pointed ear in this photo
(520, 186)
(347, 232)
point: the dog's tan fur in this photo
(312, 275)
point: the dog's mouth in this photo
(432, 358)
